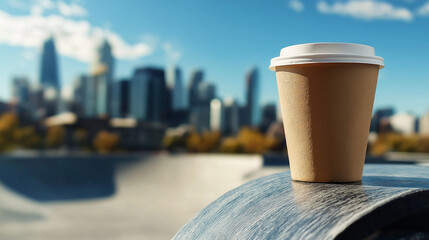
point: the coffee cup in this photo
(326, 93)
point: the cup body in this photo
(326, 110)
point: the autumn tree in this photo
(105, 141)
(55, 136)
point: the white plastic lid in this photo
(326, 53)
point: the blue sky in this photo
(225, 38)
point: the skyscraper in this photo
(149, 95)
(424, 124)
(196, 79)
(252, 97)
(179, 112)
(217, 116)
(269, 116)
(102, 98)
(105, 58)
(21, 90)
(120, 98)
(79, 95)
(175, 85)
(49, 69)
(21, 95)
(206, 93)
(232, 121)
(378, 116)
(194, 96)
(94, 90)
(104, 65)
(90, 97)
(49, 81)
(139, 95)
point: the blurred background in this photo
(122, 120)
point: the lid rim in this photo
(291, 62)
(311, 53)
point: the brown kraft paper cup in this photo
(326, 109)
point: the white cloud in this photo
(40, 6)
(296, 5)
(19, 4)
(71, 9)
(171, 54)
(424, 10)
(74, 39)
(366, 10)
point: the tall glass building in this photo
(80, 95)
(21, 90)
(49, 69)
(196, 79)
(120, 98)
(206, 93)
(176, 88)
(150, 100)
(105, 60)
(252, 97)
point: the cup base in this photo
(333, 182)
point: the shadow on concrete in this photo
(61, 178)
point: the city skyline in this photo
(243, 38)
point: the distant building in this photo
(79, 95)
(4, 107)
(139, 95)
(104, 65)
(133, 135)
(269, 116)
(51, 100)
(194, 97)
(206, 93)
(95, 96)
(105, 58)
(252, 97)
(179, 117)
(121, 98)
(243, 113)
(179, 113)
(21, 100)
(49, 69)
(177, 90)
(36, 98)
(231, 112)
(21, 90)
(424, 124)
(49, 79)
(217, 116)
(196, 79)
(149, 96)
(90, 97)
(378, 116)
(102, 97)
(403, 123)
